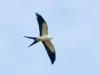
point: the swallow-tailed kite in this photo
(44, 38)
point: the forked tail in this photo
(32, 38)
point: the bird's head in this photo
(50, 37)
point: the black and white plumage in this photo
(44, 38)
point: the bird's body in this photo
(44, 38)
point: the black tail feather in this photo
(32, 38)
(33, 43)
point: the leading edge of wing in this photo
(51, 54)
(40, 17)
(40, 22)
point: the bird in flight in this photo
(44, 38)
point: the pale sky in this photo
(74, 26)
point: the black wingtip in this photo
(52, 62)
(36, 13)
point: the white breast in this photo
(45, 37)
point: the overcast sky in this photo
(74, 26)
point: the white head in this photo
(50, 37)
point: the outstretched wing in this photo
(50, 50)
(42, 25)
